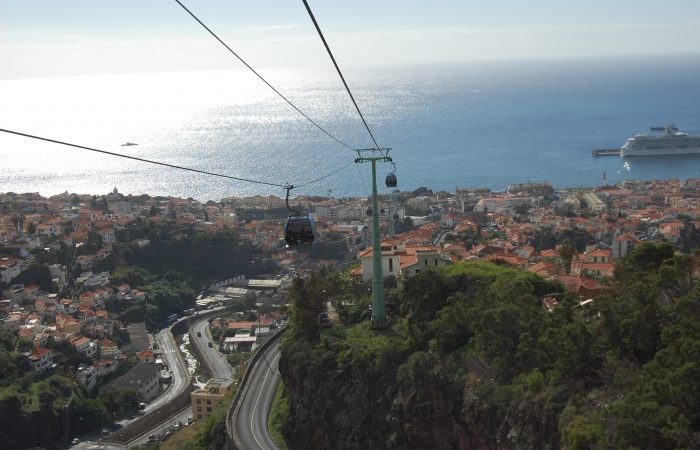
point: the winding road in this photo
(215, 361)
(180, 378)
(251, 432)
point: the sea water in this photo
(459, 125)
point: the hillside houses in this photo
(615, 220)
(523, 227)
(401, 260)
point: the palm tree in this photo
(18, 221)
(566, 253)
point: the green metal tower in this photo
(379, 321)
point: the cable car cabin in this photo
(299, 230)
(391, 180)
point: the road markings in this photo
(255, 407)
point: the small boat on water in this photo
(129, 144)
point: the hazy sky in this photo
(40, 38)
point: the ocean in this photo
(458, 125)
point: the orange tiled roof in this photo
(79, 341)
(241, 325)
(25, 332)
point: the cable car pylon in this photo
(379, 318)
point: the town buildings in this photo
(528, 227)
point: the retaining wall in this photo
(230, 413)
(149, 421)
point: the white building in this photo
(401, 261)
(621, 246)
(144, 378)
(41, 359)
(9, 268)
(87, 376)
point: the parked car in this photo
(211, 344)
(199, 334)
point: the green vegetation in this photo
(545, 238)
(473, 359)
(186, 254)
(235, 359)
(177, 263)
(38, 274)
(34, 408)
(278, 415)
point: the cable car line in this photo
(323, 177)
(263, 79)
(347, 88)
(173, 166)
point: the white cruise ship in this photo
(669, 142)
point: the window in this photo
(436, 261)
(391, 265)
(209, 409)
(199, 401)
(426, 262)
(208, 401)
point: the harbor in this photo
(606, 152)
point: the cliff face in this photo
(473, 361)
(414, 406)
(334, 406)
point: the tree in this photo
(171, 210)
(250, 301)
(422, 191)
(522, 209)
(307, 305)
(39, 274)
(18, 220)
(89, 414)
(543, 238)
(118, 403)
(567, 252)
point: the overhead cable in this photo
(347, 88)
(173, 166)
(263, 79)
(326, 176)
